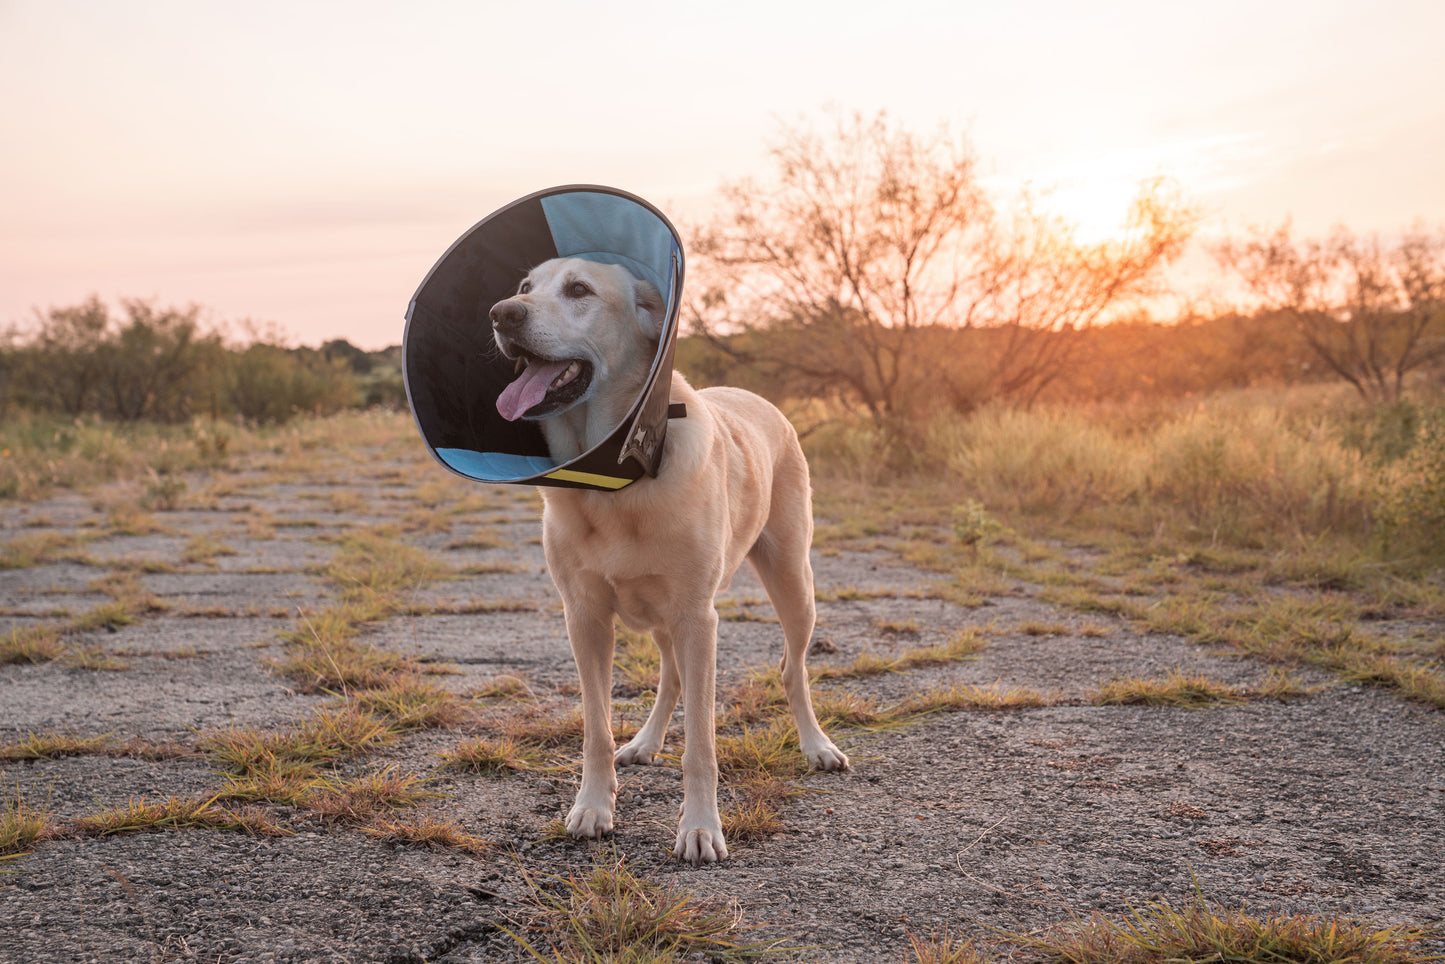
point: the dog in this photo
(733, 485)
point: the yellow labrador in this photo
(733, 485)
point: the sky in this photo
(304, 163)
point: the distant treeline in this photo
(153, 364)
(159, 364)
(962, 369)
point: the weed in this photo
(771, 749)
(544, 728)
(852, 594)
(942, 949)
(202, 550)
(331, 734)
(22, 825)
(490, 756)
(374, 568)
(756, 812)
(1176, 689)
(331, 661)
(33, 644)
(505, 688)
(898, 627)
(35, 550)
(637, 660)
(137, 816)
(613, 915)
(1203, 932)
(361, 798)
(410, 703)
(427, 831)
(95, 660)
(107, 616)
(962, 697)
(290, 787)
(483, 538)
(52, 746)
(164, 492)
(1043, 629)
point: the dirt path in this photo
(1332, 803)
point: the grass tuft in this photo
(1202, 932)
(359, 799)
(427, 831)
(942, 949)
(21, 826)
(139, 816)
(53, 746)
(948, 698)
(34, 645)
(612, 914)
(490, 756)
(410, 703)
(1176, 689)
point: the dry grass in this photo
(360, 799)
(1176, 689)
(427, 831)
(34, 645)
(948, 698)
(490, 756)
(636, 660)
(22, 825)
(943, 949)
(203, 550)
(53, 746)
(611, 914)
(411, 703)
(1201, 932)
(174, 813)
(505, 688)
(332, 733)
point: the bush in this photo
(267, 384)
(1411, 493)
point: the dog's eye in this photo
(578, 289)
(525, 287)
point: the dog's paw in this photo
(826, 756)
(634, 754)
(700, 845)
(590, 823)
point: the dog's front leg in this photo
(699, 830)
(590, 630)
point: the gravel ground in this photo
(1329, 804)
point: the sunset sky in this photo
(304, 163)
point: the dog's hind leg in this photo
(780, 559)
(591, 633)
(643, 747)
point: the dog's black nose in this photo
(508, 315)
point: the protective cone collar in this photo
(454, 371)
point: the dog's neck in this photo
(583, 427)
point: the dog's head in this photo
(578, 331)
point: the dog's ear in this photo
(650, 309)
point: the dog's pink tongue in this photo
(529, 388)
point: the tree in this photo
(64, 361)
(875, 242)
(1371, 313)
(147, 366)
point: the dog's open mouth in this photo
(543, 387)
